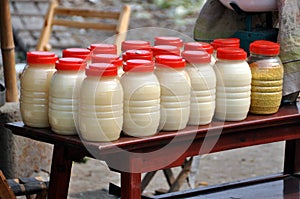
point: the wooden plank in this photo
(84, 25)
(86, 13)
(28, 187)
(5, 190)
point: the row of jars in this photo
(98, 100)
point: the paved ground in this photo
(90, 180)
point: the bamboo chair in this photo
(120, 28)
(10, 188)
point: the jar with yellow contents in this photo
(267, 77)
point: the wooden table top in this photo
(287, 114)
(169, 149)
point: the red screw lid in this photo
(70, 63)
(41, 57)
(199, 46)
(101, 69)
(172, 61)
(226, 42)
(103, 48)
(107, 58)
(231, 53)
(172, 41)
(165, 50)
(135, 45)
(82, 53)
(264, 47)
(138, 65)
(196, 57)
(137, 54)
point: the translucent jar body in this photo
(141, 103)
(175, 97)
(63, 101)
(203, 93)
(35, 81)
(233, 89)
(101, 108)
(266, 86)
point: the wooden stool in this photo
(114, 21)
(10, 188)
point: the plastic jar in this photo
(64, 95)
(233, 84)
(171, 41)
(100, 48)
(109, 58)
(81, 53)
(141, 98)
(165, 50)
(200, 46)
(137, 54)
(223, 43)
(203, 83)
(101, 104)
(135, 45)
(175, 92)
(267, 77)
(35, 82)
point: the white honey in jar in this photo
(175, 92)
(141, 98)
(101, 48)
(81, 53)
(109, 58)
(168, 40)
(35, 82)
(165, 50)
(135, 45)
(233, 84)
(64, 95)
(137, 54)
(101, 104)
(224, 43)
(200, 46)
(203, 83)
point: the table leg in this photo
(130, 185)
(292, 156)
(60, 173)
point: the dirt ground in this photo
(90, 180)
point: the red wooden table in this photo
(133, 156)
